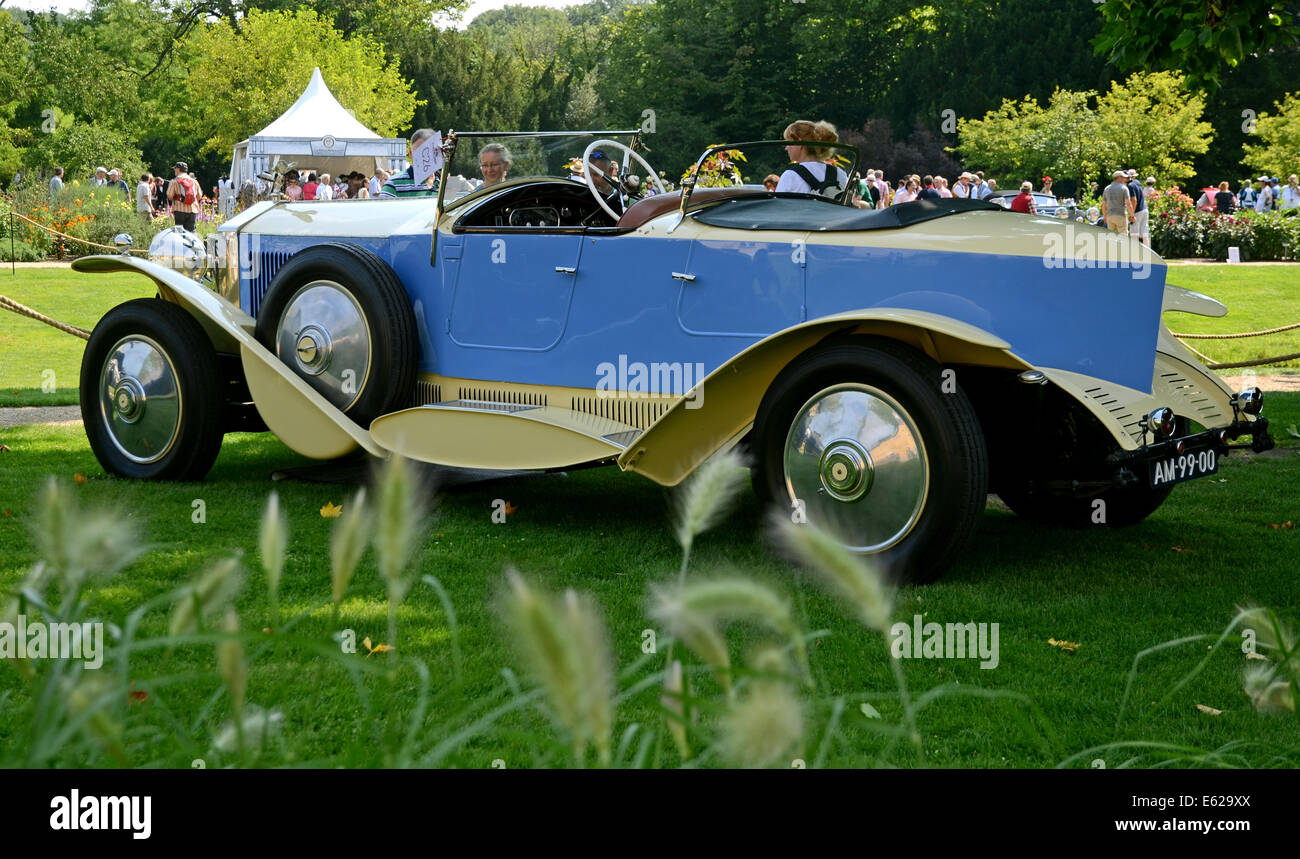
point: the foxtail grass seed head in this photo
(673, 702)
(763, 728)
(1266, 691)
(272, 539)
(770, 663)
(397, 520)
(76, 543)
(690, 610)
(258, 727)
(701, 636)
(707, 496)
(9, 616)
(208, 596)
(563, 642)
(856, 581)
(88, 699)
(231, 663)
(347, 544)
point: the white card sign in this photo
(426, 159)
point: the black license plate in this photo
(1183, 466)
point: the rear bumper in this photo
(1128, 465)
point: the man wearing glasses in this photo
(494, 163)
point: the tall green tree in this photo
(238, 80)
(1150, 122)
(1202, 38)
(1278, 152)
(1147, 122)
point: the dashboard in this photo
(537, 206)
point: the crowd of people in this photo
(813, 169)
(180, 198)
(1270, 196)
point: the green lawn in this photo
(32, 354)
(1258, 298)
(1115, 593)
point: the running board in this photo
(480, 434)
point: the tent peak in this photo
(317, 114)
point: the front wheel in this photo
(151, 393)
(865, 440)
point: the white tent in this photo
(317, 134)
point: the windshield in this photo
(484, 159)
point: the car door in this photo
(742, 287)
(514, 288)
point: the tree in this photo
(1280, 132)
(1022, 140)
(584, 107)
(237, 81)
(1199, 37)
(1151, 123)
(1147, 122)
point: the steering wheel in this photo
(617, 184)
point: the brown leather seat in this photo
(646, 210)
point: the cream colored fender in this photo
(723, 406)
(1189, 301)
(294, 411)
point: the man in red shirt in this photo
(1024, 201)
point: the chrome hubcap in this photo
(314, 350)
(846, 470)
(324, 335)
(856, 460)
(139, 400)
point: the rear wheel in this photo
(340, 317)
(861, 439)
(151, 393)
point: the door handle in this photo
(688, 278)
(565, 269)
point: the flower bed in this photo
(93, 214)
(1179, 229)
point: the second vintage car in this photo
(883, 370)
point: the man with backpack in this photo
(1246, 196)
(183, 192)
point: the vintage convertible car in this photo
(883, 370)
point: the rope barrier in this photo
(1262, 362)
(24, 310)
(1237, 336)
